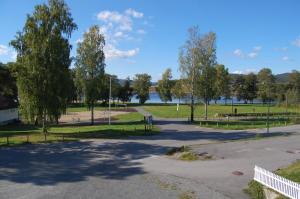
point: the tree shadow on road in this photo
(182, 131)
(49, 164)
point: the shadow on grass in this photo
(98, 123)
(18, 129)
(49, 164)
(107, 134)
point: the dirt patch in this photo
(85, 116)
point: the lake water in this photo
(154, 98)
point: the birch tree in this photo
(43, 60)
(90, 63)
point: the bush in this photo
(177, 150)
(255, 190)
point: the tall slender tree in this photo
(43, 60)
(165, 85)
(222, 83)
(126, 91)
(250, 87)
(293, 93)
(178, 90)
(266, 85)
(207, 71)
(239, 88)
(90, 62)
(189, 66)
(141, 85)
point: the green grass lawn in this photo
(99, 107)
(247, 123)
(169, 110)
(291, 172)
(130, 124)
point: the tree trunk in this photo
(44, 122)
(92, 113)
(205, 107)
(192, 108)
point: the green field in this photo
(247, 123)
(130, 124)
(169, 110)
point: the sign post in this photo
(177, 108)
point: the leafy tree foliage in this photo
(239, 88)
(266, 85)
(222, 83)
(165, 86)
(207, 71)
(115, 87)
(178, 90)
(8, 87)
(126, 91)
(43, 60)
(90, 65)
(250, 87)
(197, 59)
(294, 87)
(141, 85)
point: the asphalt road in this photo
(136, 168)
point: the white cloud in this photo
(79, 40)
(117, 27)
(283, 49)
(285, 58)
(112, 52)
(239, 72)
(134, 13)
(245, 72)
(124, 22)
(119, 34)
(8, 53)
(3, 50)
(238, 53)
(297, 42)
(257, 48)
(141, 31)
(252, 55)
(13, 55)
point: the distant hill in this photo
(282, 78)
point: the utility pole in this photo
(232, 105)
(109, 113)
(268, 123)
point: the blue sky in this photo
(145, 36)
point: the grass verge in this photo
(170, 110)
(291, 172)
(130, 124)
(248, 123)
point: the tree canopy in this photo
(141, 85)
(165, 85)
(43, 60)
(90, 63)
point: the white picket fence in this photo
(281, 185)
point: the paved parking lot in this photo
(137, 168)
